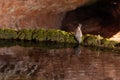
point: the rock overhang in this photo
(19, 14)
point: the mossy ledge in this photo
(57, 36)
(98, 41)
(52, 35)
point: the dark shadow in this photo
(101, 18)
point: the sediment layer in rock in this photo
(32, 14)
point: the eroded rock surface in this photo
(17, 14)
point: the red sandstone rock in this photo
(17, 14)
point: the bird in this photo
(78, 33)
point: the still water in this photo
(38, 63)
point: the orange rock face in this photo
(18, 14)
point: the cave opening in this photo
(101, 18)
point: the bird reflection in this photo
(78, 36)
(78, 50)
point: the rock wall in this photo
(102, 18)
(18, 14)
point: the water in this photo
(38, 63)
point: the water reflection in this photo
(34, 63)
(77, 50)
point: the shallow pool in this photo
(64, 63)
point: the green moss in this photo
(107, 43)
(54, 35)
(93, 40)
(25, 34)
(61, 36)
(10, 34)
(1, 33)
(97, 40)
(70, 38)
(39, 35)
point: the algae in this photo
(8, 34)
(39, 35)
(57, 36)
(108, 43)
(97, 40)
(1, 34)
(93, 40)
(53, 35)
(25, 34)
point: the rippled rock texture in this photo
(17, 14)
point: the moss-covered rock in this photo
(25, 34)
(107, 43)
(94, 40)
(54, 35)
(10, 34)
(97, 40)
(1, 34)
(58, 36)
(39, 35)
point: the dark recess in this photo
(102, 18)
